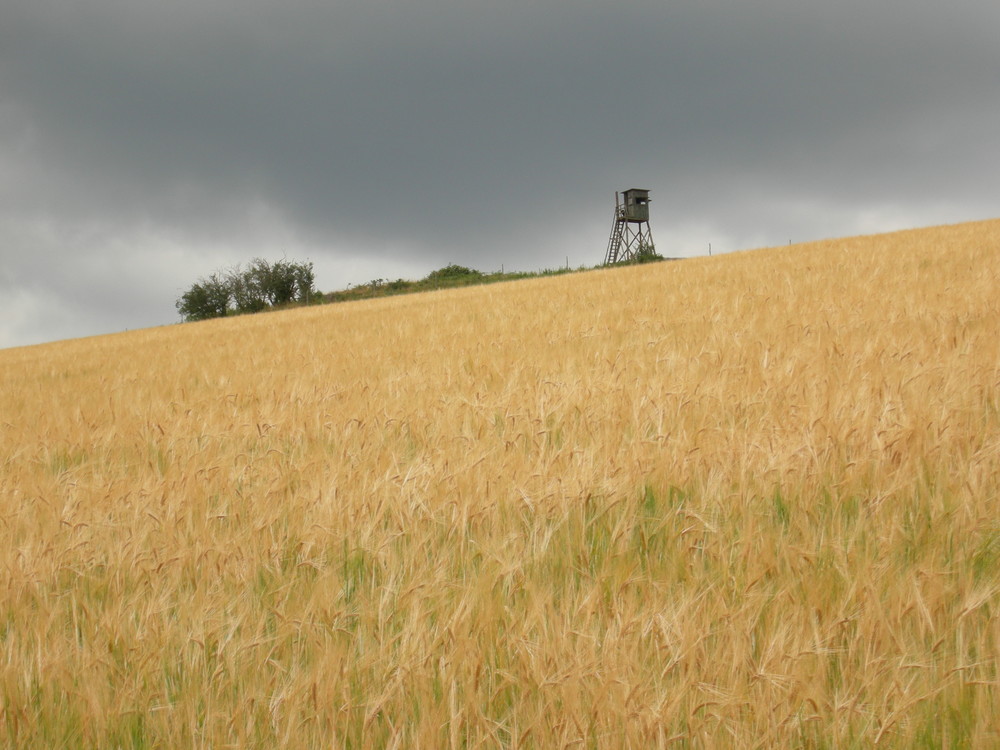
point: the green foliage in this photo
(260, 286)
(208, 298)
(247, 295)
(452, 271)
(648, 256)
(448, 277)
(645, 254)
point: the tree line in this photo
(258, 286)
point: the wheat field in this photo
(741, 501)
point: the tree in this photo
(305, 282)
(208, 298)
(246, 291)
(281, 282)
(259, 286)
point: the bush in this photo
(452, 272)
(648, 256)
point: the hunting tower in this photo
(630, 232)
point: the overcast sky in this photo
(145, 144)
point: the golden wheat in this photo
(739, 501)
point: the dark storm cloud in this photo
(384, 137)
